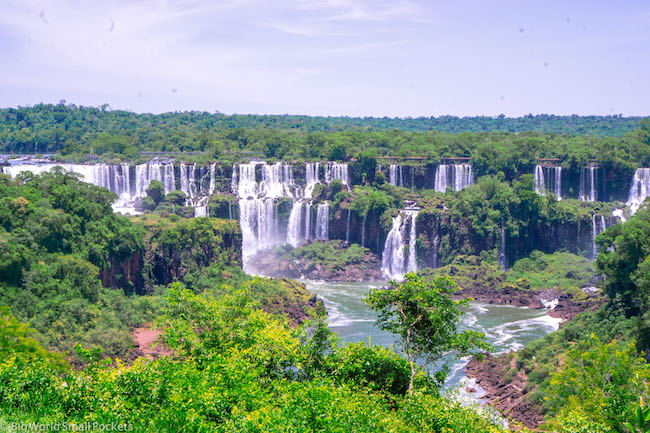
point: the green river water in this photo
(506, 327)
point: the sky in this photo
(330, 57)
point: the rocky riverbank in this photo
(507, 397)
(560, 305)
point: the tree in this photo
(425, 318)
(156, 191)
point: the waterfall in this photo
(311, 178)
(598, 226)
(115, 178)
(392, 261)
(245, 184)
(277, 181)
(557, 190)
(396, 175)
(213, 183)
(259, 224)
(335, 170)
(322, 221)
(394, 264)
(456, 176)
(548, 180)
(540, 183)
(640, 189)
(193, 184)
(436, 242)
(588, 184)
(363, 231)
(146, 173)
(258, 212)
(347, 228)
(307, 226)
(295, 232)
(502, 249)
(412, 265)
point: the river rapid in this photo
(505, 327)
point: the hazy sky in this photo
(330, 57)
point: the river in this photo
(506, 327)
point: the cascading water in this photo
(557, 188)
(588, 178)
(548, 179)
(436, 242)
(394, 264)
(347, 228)
(258, 207)
(258, 219)
(392, 261)
(412, 265)
(640, 189)
(277, 181)
(540, 182)
(456, 176)
(198, 184)
(396, 175)
(146, 173)
(598, 226)
(335, 170)
(502, 249)
(116, 178)
(311, 178)
(322, 221)
(295, 234)
(363, 231)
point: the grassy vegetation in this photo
(563, 271)
(245, 370)
(329, 254)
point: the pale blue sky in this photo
(330, 57)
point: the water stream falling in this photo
(412, 265)
(502, 248)
(598, 226)
(455, 176)
(128, 182)
(588, 179)
(311, 178)
(548, 179)
(322, 221)
(640, 189)
(335, 170)
(396, 175)
(347, 228)
(436, 242)
(394, 263)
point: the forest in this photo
(237, 352)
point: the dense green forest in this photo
(76, 279)
(235, 362)
(493, 144)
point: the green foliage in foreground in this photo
(603, 382)
(58, 238)
(237, 369)
(588, 376)
(425, 318)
